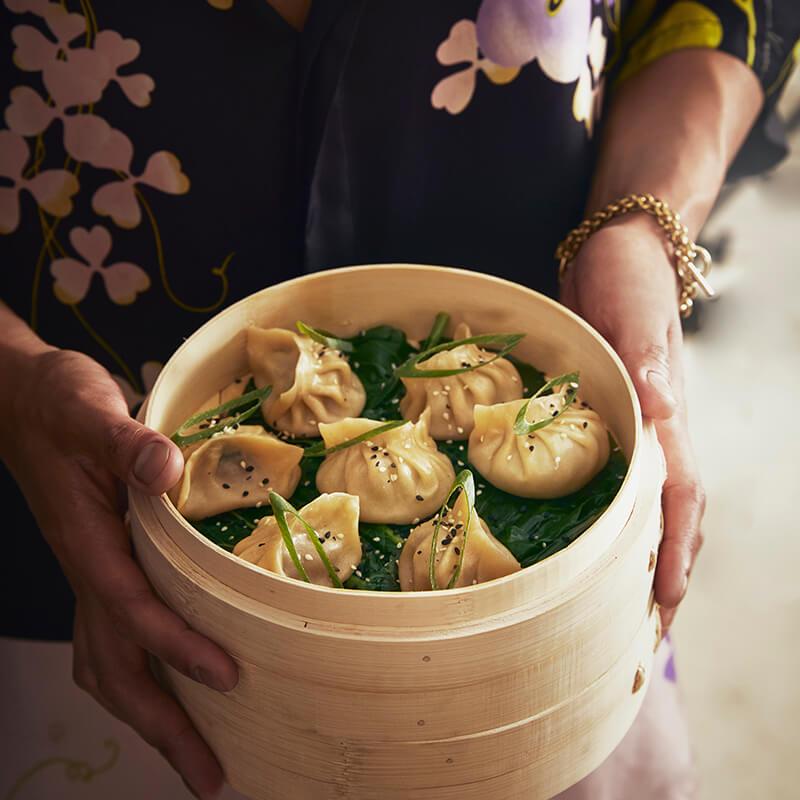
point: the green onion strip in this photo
(250, 399)
(281, 508)
(506, 341)
(324, 337)
(318, 450)
(521, 425)
(465, 482)
(437, 331)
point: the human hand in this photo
(623, 283)
(69, 443)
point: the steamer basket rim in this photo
(326, 593)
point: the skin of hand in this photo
(672, 131)
(638, 315)
(71, 445)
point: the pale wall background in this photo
(738, 634)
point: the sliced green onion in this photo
(465, 482)
(437, 331)
(281, 508)
(250, 399)
(243, 519)
(324, 337)
(318, 450)
(506, 341)
(521, 424)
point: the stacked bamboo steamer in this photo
(515, 688)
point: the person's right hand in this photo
(71, 444)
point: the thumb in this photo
(642, 342)
(139, 456)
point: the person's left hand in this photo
(623, 283)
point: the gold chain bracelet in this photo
(691, 276)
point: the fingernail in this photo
(661, 385)
(208, 679)
(150, 462)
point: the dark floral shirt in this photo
(159, 161)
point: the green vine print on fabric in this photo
(74, 769)
(76, 62)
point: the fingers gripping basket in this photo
(515, 688)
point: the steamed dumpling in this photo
(485, 558)
(552, 462)
(334, 517)
(311, 383)
(400, 476)
(235, 470)
(452, 399)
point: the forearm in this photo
(19, 346)
(673, 130)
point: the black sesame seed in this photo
(226, 486)
(420, 498)
(264, 481)
(249, 468)
(203, 426)
(245, 493)
(419, 552)
(375, 448)
(585, 424)
(457, 551)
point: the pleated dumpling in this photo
(485, 558)
(452, 399)
(400, 476)
(553, 461)
(311, 383)
(235, 470)
(334, 517)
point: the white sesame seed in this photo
(308, 557)
(436, 392)
(509, 456)
(259, 504)
(340, 536)
(393, 477)
(243, 464)
(482, 438)
(376, 538)
(460, 429)
(446, 415)
(224, 528)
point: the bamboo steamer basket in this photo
(515, 688)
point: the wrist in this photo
(21, 354)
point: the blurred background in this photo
(736, 635)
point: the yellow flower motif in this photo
(686, 24)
